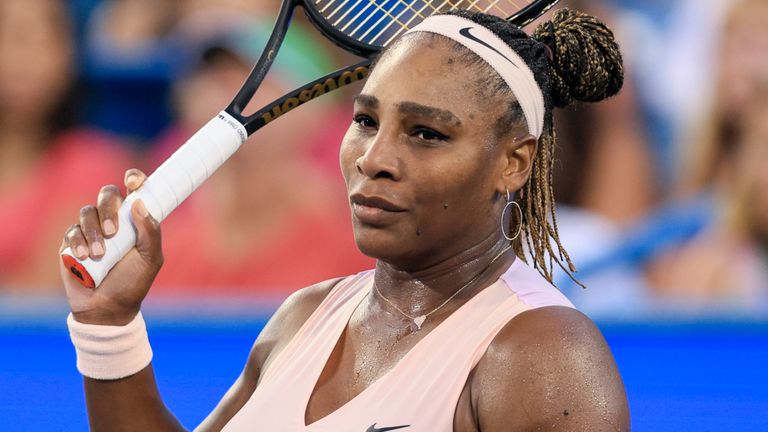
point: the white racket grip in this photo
(163, 191)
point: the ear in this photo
(518, 155)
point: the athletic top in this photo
(419, 393)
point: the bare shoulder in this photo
(288, 319)
(283, 325)
(549, 369)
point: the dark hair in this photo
(574, 57)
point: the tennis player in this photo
(448, 167)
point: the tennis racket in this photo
(362, 27)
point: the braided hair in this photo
(574, 57)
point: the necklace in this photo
(418, 321)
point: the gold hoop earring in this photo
(510, 201)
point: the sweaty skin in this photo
(426, 177)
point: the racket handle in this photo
(163, 191)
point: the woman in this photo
(451, 331)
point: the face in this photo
(424, 169)
(35, 57)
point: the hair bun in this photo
(586, 64)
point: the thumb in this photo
(147, 234)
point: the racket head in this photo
(364, 27)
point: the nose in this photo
(380, 159)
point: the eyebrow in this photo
(442, 115)
(367, 101)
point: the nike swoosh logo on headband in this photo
(465, 32)
(373, 428)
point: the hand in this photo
(118, 299)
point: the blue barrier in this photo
(692, 376)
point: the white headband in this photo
(500, 56)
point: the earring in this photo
(510, 201)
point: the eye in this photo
(364, 121)
(428, 134)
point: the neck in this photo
(419, 292)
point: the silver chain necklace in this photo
(418, 321)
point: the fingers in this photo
(86, 239)
(107, 206)
(134, 178)
(74, 239)
(147, 234)
(90, 226)
(110, 199)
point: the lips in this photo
(375, 202)
(374, 210)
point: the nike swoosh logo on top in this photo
(373, 428)
(465, 32)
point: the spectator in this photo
(46, 165)
(129, 65)
(727, 264)
(742, 69)
(724, 264)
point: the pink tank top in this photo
(420, 391)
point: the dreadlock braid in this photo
(574, 57)
(586, 64)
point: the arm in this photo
(133, 402)
(128, 404)
(549, 369)
(280, 329)
(117, 402)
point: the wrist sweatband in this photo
(507, 63)
(110, 352)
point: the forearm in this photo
(106, 325)
(132, 403)
(114, 357)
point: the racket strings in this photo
(384, 14)
(379, 22)
(376, 24)
(407, 8)
(341, 18)
(396, 19)
(410, 21)
(406, 26)
(474, 5)
(368, 19)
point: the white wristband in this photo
(110, 352)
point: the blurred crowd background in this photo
(663, 198)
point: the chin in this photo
(383, 243)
